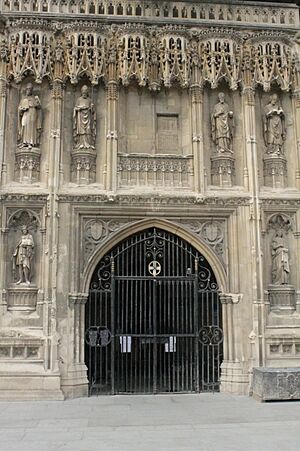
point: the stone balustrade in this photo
(155, 170)
(271, 14)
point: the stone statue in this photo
(29, 120)
(280, 260)
(84, 121)
(22, 256)
(221, 125)
(274, 126)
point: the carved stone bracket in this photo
(222, 170)
(282, 298)
(27, 165)
(22, 299)
(83, 168)
(275, 171)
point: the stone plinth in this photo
(27, 165)
(83, 170)
(22, 298)
(276, 384)
(275, 171)
(222, 170)
(282, 298)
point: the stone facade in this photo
(120, 115)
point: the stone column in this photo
(198, 150)
(52, 223)
(112, 105)
(296, 123)
(75, 382)
(233, 378)
(252, 181)
(3, 97)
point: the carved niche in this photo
(83, 168)
(222, 161)
(23, 248)
(274, 132)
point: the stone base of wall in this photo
(276, 384)
(23, 387)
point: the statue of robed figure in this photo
(274, 126)
(280, 260)
(84, 121)
(22, 256)
(222, 125)
(29, 120)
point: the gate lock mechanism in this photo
(98, 336)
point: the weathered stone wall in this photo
(149, 155)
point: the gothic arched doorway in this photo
(153, 319)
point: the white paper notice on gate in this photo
(170, 346)
(125, 343)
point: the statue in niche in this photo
(222, 125)
(274, 126)
(29, 119)
(22, 256)
(280, 260)
(84, 121)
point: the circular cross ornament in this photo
(154, 268)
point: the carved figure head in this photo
(29, 89)
(221, 97)
(24, 229)
(85, 91)
(274, 99)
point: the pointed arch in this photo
(166, 225)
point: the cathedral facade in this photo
(150, 198)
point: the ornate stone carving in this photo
(22, 257)
(212, 232)
(97, 230)
(152, 57)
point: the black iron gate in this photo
(153, 319)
